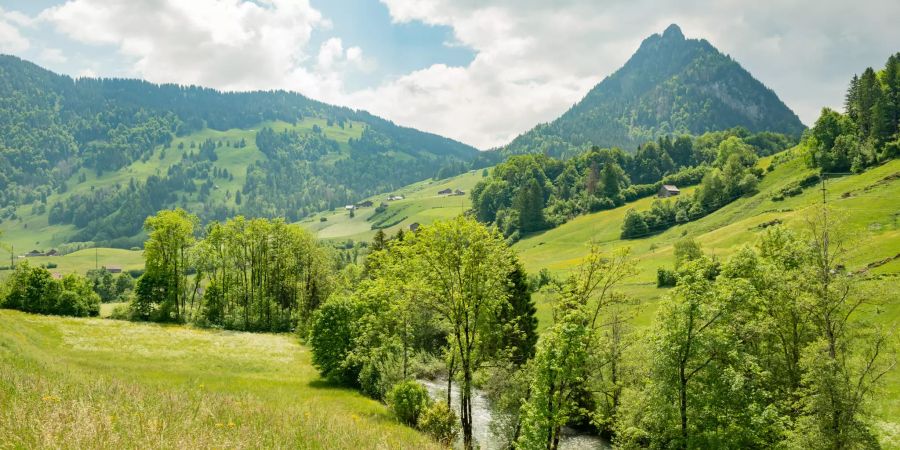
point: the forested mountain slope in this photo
(287, 155)
(671, 85)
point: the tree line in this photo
(731, 175)
(527, 193)
(868, 132)
(244, 274)
(36, 290)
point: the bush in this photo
(440, 422)
(331, 338)
(408, 399)
(34, 290)
(665, 277)
(122, 312)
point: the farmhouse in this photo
(668, 190)
(414, 226)
(113, 269)
(395, 197)
(365, 204)
(445, 191)
(33, 253)
(350, 207)
(459, 192)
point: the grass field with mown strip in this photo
(421, 203)
(96, 383)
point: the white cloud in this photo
(227, 44)
(11, 39)
(52, 56)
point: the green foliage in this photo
(634, 225)
(164, 285)
(866, 134)
(686, 250)
(408, 400)
(331, 339)
(666, 277)
(671, 85)
(769, 350)
(517, 317)
(733, 176)
(528, 193)
(110, 288)
(259, 275)
(568, 360)
(439, 422)
(34, 290)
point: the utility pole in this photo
(96, 259)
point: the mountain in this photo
(671, 85)
(94, 157)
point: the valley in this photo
(675, 261)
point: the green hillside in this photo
(31, 229)
(865, 205)
(421, 204)
(92, 383)
(97, 156)
(671, 85)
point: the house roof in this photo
(670, 187)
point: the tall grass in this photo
(92, 383)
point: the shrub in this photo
(408, 399)
(665, 278)
(440, 422)
(33, 289)
(331, 338)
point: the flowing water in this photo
(481, 420)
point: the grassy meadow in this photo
(96, 383)
(421, 204)
(83, 260)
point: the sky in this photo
(479, 71)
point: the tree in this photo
(847, 359)
(331, 339)
(529, 202)
(34, 290)
(686, 250)
(463, 268)
(517, 317)
(634, 225)
(379, 241)
(166, 253)
(566, 358)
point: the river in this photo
(481, 420)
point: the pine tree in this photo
(851, 100)
(379, 241)
(869, 96)
(530, 204)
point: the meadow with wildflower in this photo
(94, 383)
